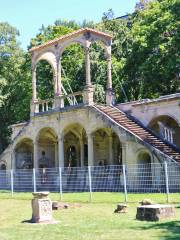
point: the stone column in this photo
(35, 158)
(123, 153)
(82, 152)
(56, 155)
(109, 91)
(111, 150)
(61, 150)
(13, 159)
(88, 91)
(90, 150)
(88, 67)
(58, 78)
(34, 93)
(109, 72)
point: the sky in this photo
(29, 15)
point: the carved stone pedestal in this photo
(155, 212)
(41, 208)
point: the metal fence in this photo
(127, 179)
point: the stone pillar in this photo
(88, 66)
(61, 150)
(88, 91)
(58, 79)
(109, 72)
(124, 153)
(82, 152)
(88, 96)
(41, 208)
(13, 159)
(111, 150)
(58, 102)
(34, 93)
(110, 97)
(90, 150)
(56, 154)
(35, 157)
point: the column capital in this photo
(89, 134)
(35, 141)
(33, 68)
(60, 137)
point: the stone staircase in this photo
(139, 131)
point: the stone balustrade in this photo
(40, 106)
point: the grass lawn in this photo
(91, 221)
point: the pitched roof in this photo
(67, 36)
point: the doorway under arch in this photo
(144, 171)
(47, 148)
(107, 147)
(75, 142)
(24, 154)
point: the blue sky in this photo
(29, 15)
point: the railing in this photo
(152, 179)
(40, 106)
(72, 99)
(43, 105)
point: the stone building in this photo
(84, 133)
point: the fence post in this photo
(34, 179)
(167, 181)
(124, 182)
(12, 183)
(60, 182)
(90, 184)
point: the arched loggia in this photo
(166, 127)
(144, 171)
(24, 154)
(75, 144)
(73, 71)
(47, 156)
(45, 84)
(52, 51)
(98, 70)
(107, 147)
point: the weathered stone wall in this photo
(59, 122)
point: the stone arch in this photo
(65, 45)
(167, 127)
(73, 125)
(44, 128)
(143, 157)
(54, 49)
(107, 147)
(98, 57)
(72, 59)
(47, 141)
(46, 79)
(144, 160)
(75, 140)
(3, 165)
(24, 153)
(49, 57)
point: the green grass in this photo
(91, 221)
(99, 197)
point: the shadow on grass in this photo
(171, 229)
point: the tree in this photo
(14, 82)
(151, 67)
